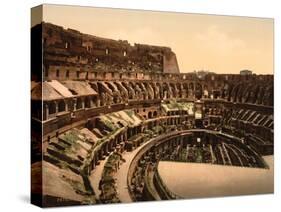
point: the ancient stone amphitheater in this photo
(112, 112)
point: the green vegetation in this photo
(158, 129)
(198, 155)
(130, 113)
(71, 136)
(173, 106)
(107, 183)
(109, 124)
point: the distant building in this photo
(202, 73)
(246, 72)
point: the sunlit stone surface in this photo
(191, 180)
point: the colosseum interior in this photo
(110, 120)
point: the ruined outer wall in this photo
(74, 49)
(171, 63)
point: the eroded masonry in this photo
(109, 111)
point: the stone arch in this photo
(94, 86)
(52, 107)
(140, 94)
(245, 93)
(79, 103)
(145, 93)
(61, 105)
(234, 93)
(190, 89)
(254, 94)
(198, 90)
(110, 86)
(156, 92)
(131, 87)
(268, 96)
(149, 114)
(173, 90)
(123, 90)
(205, 91)
(260, 95)
(225, 90)
(179, 87)
(166, 91)
(185, 89)
(88, 102)
(130, 91)
(229, 92)
(240, 92)
(159, 89)
(191, 86)
(150, 90)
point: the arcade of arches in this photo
(112, 112)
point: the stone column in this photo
(97, 102)
(83, 103)
(74, 104)
(57, 107)
(66, 105)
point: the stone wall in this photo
(71, 48)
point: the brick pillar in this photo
(57, 107)
(74, 104)
(83, 103)
(66, 105)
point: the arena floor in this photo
(193, 180)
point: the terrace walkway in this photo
(95, 176)
(120, 176)
(122, 173)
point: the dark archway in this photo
(61, 106)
